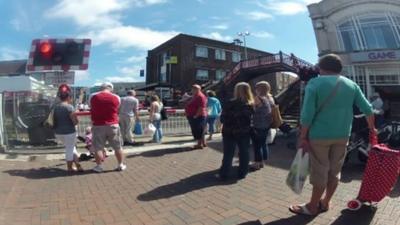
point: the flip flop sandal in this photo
(303, 210)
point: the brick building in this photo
(185, 60)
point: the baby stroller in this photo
(88, 145)
(359, 138)
(381, 172)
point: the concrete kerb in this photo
(170, 143)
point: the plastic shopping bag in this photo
(298, 172)
(150, 129)
(138, 129)
(271, 136)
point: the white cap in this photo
(107, 85)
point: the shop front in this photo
(378, 72)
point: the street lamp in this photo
(244, 34)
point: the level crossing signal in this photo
(59, 54)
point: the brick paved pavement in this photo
(173, 186)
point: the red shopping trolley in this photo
(379, 177)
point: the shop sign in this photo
(375, 56)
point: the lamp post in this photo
(244, 34)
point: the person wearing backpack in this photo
(236, 118)
(155, 117)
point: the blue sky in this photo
(123, 30)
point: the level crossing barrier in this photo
(176, 124)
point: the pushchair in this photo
(359, 138)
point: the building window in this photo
(368, 32)
(202, 51)
(163, 68)
(202, 75)
(220, 74)
(220, 54)
(349, 36)
(236, 57)
(378, 32)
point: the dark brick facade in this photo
(183, 74)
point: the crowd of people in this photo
(245, 119)
(113, 120)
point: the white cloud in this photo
(129, 73)
(81, 75)
(311, 1)
(262, 34)
(25, 19)
(287, 7)
(117, 79)
(130, 36)
(136, 59)
(89, 13)
(150, 2)
(95, 13)
(132, 71)
(102, 18)
(218, 36)
(8, 53)
(221, 26)
(256, 15)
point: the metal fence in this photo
(175, 124)
(1, 121)
(23, 115)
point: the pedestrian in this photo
(261, 123)
(236, 118)
(196, 113)
(104, 112)
(326, 118)
(155, 117)
(213, 112)
(65, 121)
(377, 105)
(128, 116)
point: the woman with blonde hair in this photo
(155, 117)
(261, 123)
(236, 119)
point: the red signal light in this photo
(45, 48)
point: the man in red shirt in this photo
(104, 111)
(196, 113)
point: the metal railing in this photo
(1, 121)
(279, 58)
(175, 124)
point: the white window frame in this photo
(236, 59)
(201, 51)
(220, 54)
(391, 18)
(220, 74)
(200, 76)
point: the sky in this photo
(122, 31)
